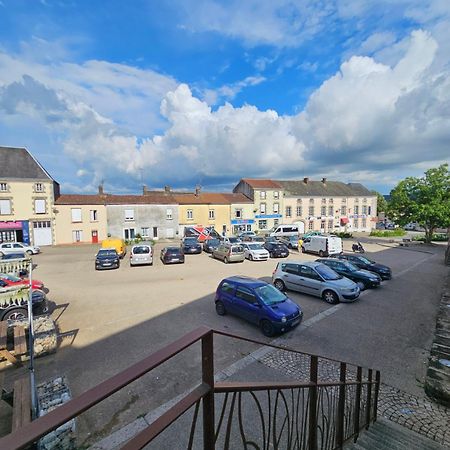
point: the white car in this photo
(231, 240)
(14, 247)
(255, 252)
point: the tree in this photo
(381, 202)
(423, 200)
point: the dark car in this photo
(257, 302)
(172, 255)
(365, 263)
(190, 245)
(210, 244)
(276, 250)
(18, 309)
(107, 258)
(363, 278)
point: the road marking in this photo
(401, 273)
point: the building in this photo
(241, 213)
(329, 206)
(80, 218)
(27, 195)
(268, 201)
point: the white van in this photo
(284, 230)
(322, 245)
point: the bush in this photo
(388, 233)
(437, 237)
(344, 235)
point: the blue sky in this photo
(188, 92)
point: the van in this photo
(141, 254)
(322, 245)
(117, 244)
(284, 230)
(229, 253)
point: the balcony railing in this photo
(331, 406)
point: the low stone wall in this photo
(437, 382)
(51, 395)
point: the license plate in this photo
(107, 264)
(284, 254)
(175, 260)
(295, 322)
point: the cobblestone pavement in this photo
(418, 414)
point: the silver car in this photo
(229, 253)
(255, 252)
(15, 247)
(316, 279)
(141, 254)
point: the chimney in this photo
(324, 180)
(100, 189)
(197, 190)
(144, 189)
(305, 180)
(166, 188)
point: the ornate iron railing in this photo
(313, 412)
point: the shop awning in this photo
(344, 220)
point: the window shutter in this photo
(39, 206)
(76, 215)
(5, 207)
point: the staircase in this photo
(387, 435)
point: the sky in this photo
(205, 92)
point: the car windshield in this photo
(270, 295)
(237, 249)
(10, 277)
(365, 260)
(107, 252)
(173, 250)
(279, 246)
(326, 273)
(350, 266)
(255, 246)
(190, 241)
(213, 242)
(233, 240)
(141, 250)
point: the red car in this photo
(11, 280)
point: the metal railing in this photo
(319, 412)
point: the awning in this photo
(344, 220)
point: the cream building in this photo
(27, 195)
(242, 216)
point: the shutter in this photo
(39, 206)
(5, 207)
(76, 215)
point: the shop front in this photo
(241, 225)
(15, 231)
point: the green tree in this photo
(381, 202)
(423, 200)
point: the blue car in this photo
(257, 302)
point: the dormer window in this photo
(3, 187)
(39, 187)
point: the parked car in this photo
(141, 254)
(172, 255)
(231, 240)
(363, 262)
(316, 279)
(290, 242)
(257, 302)
(7, 279)
(255, 251)
(245, 234)
(210, 244)
(190, 245)
(18, 309)
(311, 233)
(15, 247)
(255, 238)
(107, 258)
(322, 245)
(363, 278)
(276, 250)
(229, 253)
(19, 256)
(118, 244)
(285, 230)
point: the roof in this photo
(202, 198)
(157, 198)
(258, 183)
(328, 189)
(238, 198)
(18, 163)
(253, 282)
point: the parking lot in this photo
(111, 319)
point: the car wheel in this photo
(361, 285)
(225, 260)
(267, 328)
(16, 314)
(279, 285)
(321, 253)
(29, 252)
(250, 257)
(220, 308)
(330, 297)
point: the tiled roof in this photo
(158, 198)
(18, 163)
(238, 198)
(202, 198)
(258, 183)
(327, 189)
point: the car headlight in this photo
(97, 261)
(283, 319)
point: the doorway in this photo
(94, 235)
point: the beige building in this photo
(268, 201)
(329, 206)
(80, 218)
(27, 195)
(241, 213)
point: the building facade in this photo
(268, 201)
(242, 216)
(27, 195)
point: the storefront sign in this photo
(268, 216)
(11, 225)
(242, 221)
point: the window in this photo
(330, 210)
(227, 287)
(311, 200)
(76, 215)
(344, 200)
(276, 208)
(129, 233)
(356, 200)
(93, 215)
(364, 200)
(238, 213)
(77, 236)
(323, 211)
(369, 210)
(355, 223)
(129, 214)
(356, 209)
(38, 187)
(364, 223)
(330, 224)
(290, 268)
(299, 211)
(245, 294)
(155, 232)
(262, 224)
(275, 222)
(211, 214)
(288, 211)
(39, 206)
(190, 214)
(5, 206)
(322, 225)
(324, 200)
(311, 225)
(169, 213)
(276, 194)
(330, 201)
(343, 210)
(145, 232)
(364, 209)
(262, 208)
(262, 195)
(4, 187)
(311, 211)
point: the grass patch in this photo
(388, 233)
(437, 237)
(344, 235)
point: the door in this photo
(291, 276)
(169, 233)
(94, 235)
(311, 281)
(42, 233)
(245, 304)
(227, 296)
